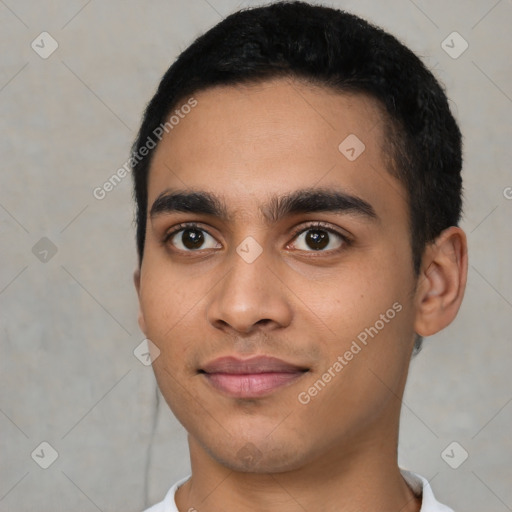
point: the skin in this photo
(339, 451)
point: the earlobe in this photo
(140, 319)
(442, 282)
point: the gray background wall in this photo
(68, 320)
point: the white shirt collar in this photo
(417, 483)
(421, 487)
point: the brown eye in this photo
(191, 239)
(319, 238)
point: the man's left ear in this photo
(442, 281)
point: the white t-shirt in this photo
(418, 485)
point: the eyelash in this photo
(318, 224)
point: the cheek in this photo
(368, 304)
(352, 297)
(166, 297)
(168, 313)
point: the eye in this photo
(317, 237)
(190, 237)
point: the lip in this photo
(250, 378)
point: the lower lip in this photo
(250, 385)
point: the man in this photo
(298, 188)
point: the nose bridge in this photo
(250, 265)
(250, 291)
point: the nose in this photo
(250, 296)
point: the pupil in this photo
(317, 239)
(194, 238)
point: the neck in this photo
(362, 476)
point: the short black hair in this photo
(341, 51)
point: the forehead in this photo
(245, 141)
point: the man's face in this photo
(333, 301)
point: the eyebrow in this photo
(307, 200)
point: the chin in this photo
(258, 456)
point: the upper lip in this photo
(257, 364)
